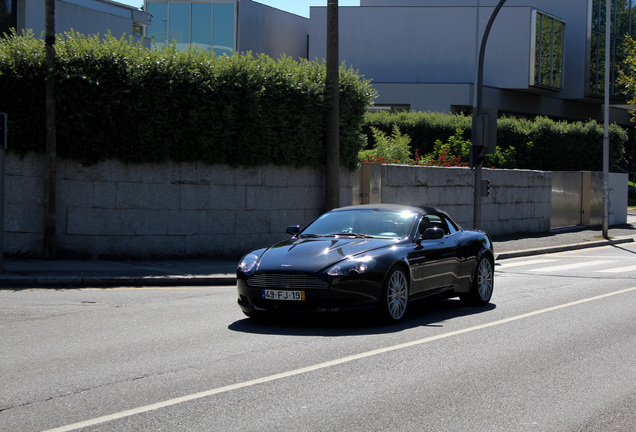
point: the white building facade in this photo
(84, 16)
(543, 57)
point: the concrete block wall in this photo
(519, 200)
(24, 205)
(117, 210)
(141, 211)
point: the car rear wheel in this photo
(395, 295)
(483, 283)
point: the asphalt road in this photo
(554, 351)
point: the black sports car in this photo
(371, 255)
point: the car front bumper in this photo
(341, 295)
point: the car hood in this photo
(312, 255)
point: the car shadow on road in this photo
(353, 323)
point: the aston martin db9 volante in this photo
(382, 256)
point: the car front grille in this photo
(286, 281)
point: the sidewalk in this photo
(27, 273)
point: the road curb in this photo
(110, 282)
(563, 248)
(17, 281)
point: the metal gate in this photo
(577, 199)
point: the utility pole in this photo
(50, 161)
(3, 148)
(332, 161)
(608, 34)
(479, 124)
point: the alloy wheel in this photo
(397, 295)
(485, 280)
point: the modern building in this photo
(84, 16)
(228, 25)
(543, 57)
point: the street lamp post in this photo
(608, 24)
(479, 125)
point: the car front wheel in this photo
(395, 295)
(483, 283)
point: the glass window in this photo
(451, 228)
(138, 30)
(202, 25)
(223, 28)
(158, 29)
(210, 25)
(362, 222)
(548, 51)
(179, 20)
(8, 9)
(622, 24)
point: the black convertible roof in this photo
(422, 209)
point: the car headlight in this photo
(248, 263)
(358, 265)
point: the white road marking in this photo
(619, 269)
(570, 266)
(319, 366)
(506, 265)
(141, 288)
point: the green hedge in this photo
(424, 128)
(540, 144)
(117, 100)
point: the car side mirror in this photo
(434, 233)
(292, 230)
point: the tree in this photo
(626, 79)
(332, 163)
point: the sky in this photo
(299, 7)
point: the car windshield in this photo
(376, 223)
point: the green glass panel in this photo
(202, 25)
(546, 50)
(538, 54)
(622, 25)
(557, 68)
(179, 30)
(223, 28)
(158, 29)
(548, 70)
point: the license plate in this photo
(283, 295)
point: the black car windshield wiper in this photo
(344, 234)
(308, 235)
(356, 235)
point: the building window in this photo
(392, 108)
(138, 30)
(622, 25)
(8, 16)
(547, 51)
(210, 25)
(223, 28)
